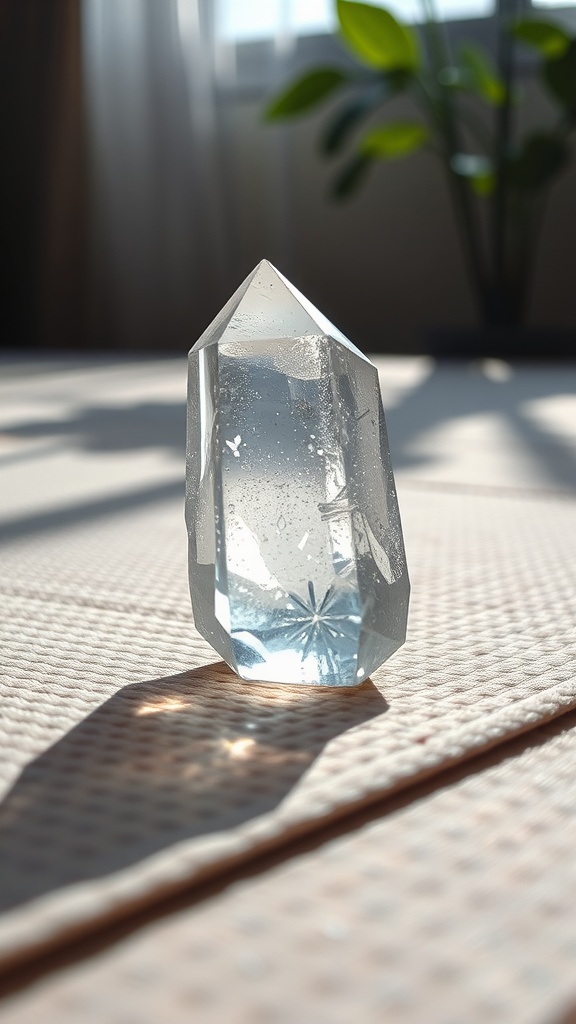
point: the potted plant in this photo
(466, 108)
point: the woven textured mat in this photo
(131, 765)
(457, 906)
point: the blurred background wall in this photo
(139, 184)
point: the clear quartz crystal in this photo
(297, 565)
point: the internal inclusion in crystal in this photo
(297, 565)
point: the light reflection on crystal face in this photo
(245, 558)
(320, 622)
(299, 573)
(340, 506)
(319, 635)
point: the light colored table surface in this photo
(454, 902)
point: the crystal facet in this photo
(297, 565)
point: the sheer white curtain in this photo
(157, 201)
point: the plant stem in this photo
(439, 58)
(501, 308)
(531, 224)
(477, 127)
(437, 45)
(469, 233)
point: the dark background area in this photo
(139, 186)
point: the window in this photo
(252, 20)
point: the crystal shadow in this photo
(160, 762)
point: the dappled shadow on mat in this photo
(115, 428)
(90, 511)
(453, 393)
(160, 762)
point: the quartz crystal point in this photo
(297, 565)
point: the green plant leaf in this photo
(560, 77)
(377, 38)
(305, 93)
(544, 36)
(345, 120)
(351, 176)
(483, 78)
(341, 126)
(483, 184)
(540, 159)
(395, 140)
(478, 169)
